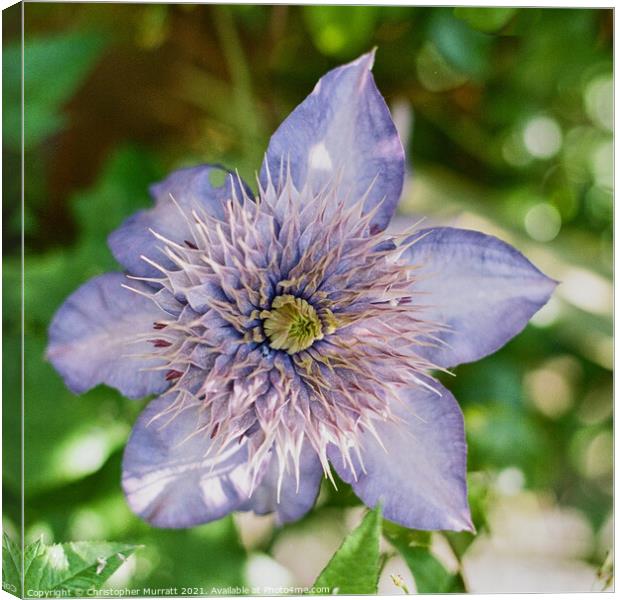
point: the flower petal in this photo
(482, 289)
(295, 501)
(420, 476)
(204, 188)
(342, 128)
(168, 477)
(92, 338)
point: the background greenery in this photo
(507, 118)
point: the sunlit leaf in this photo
(70, 568)
(354, 568)
(73, 567)
(11, 566)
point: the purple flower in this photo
(288, 335)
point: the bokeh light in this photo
(543, 222)
(542, 137)
(599, 101)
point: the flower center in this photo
(292, 324)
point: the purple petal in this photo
(481, 288)
(168, 477)
(420, 476)
(92, 338)
(191, 189)
(294, 501)
(343, 124)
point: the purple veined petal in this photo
(420, 476)
(169, 478)
(294, 501)
(342, 128)
(483, 290)
(191, 188)
(93, 335)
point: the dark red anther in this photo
(159, 343)
(173, 374)
(157, 325)
(191, 245)
(214, 430)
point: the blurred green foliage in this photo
(507, 117)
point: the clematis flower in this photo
(288, 336)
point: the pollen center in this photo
(292, 324)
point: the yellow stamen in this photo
(293, 325)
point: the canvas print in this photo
(307, 300)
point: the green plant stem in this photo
(245, 105)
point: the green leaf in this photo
(354, 568)
(72, 567)
(31, 552)
(485, 19)
(429, 573)
(431, 577)
(54, 68)
(11, 566)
